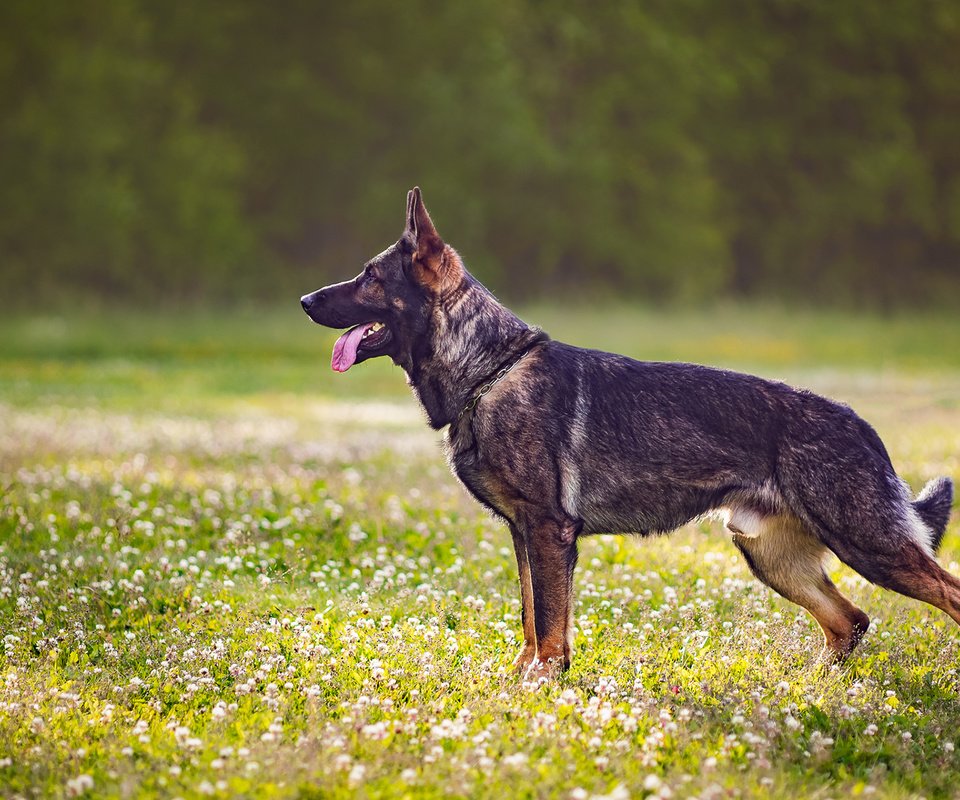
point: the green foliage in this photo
(670, 150)
(111, 178)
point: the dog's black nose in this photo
(308, 301)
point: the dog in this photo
(561, 442)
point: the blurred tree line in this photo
(664, 149)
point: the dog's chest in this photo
(488, 482)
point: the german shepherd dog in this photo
(562, 442)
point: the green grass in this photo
(226, 571)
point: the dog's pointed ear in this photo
(420, 225)
(410, 230)
(431, 266)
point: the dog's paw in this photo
(541, 671)
(524, 659)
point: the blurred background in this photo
(805, 151)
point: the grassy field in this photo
(226, 571)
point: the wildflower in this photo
(618, 793)
(79, 785)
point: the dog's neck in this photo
(472, 336)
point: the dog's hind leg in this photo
(888, 543)
(922, 578)
(783, 554)
(909, 570)
(842, 485)
(529, 653)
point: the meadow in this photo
(226, 571)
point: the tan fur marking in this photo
(552, 581)
(439, 271)
(529, 652)
(789, 559)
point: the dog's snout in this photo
(308, 301)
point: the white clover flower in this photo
(79, 785)
(618, 793)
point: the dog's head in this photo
(387, 306)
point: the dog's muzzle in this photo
(308, 301)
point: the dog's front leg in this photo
(529, 653)
(552, 556)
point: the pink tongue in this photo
(345, 349)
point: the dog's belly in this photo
(623, 499)
(662, 503)
(639, 507)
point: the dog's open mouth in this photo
(363, 340)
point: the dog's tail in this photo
(933, 506)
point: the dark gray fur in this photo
(573, 442)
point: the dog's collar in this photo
(499, 375)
